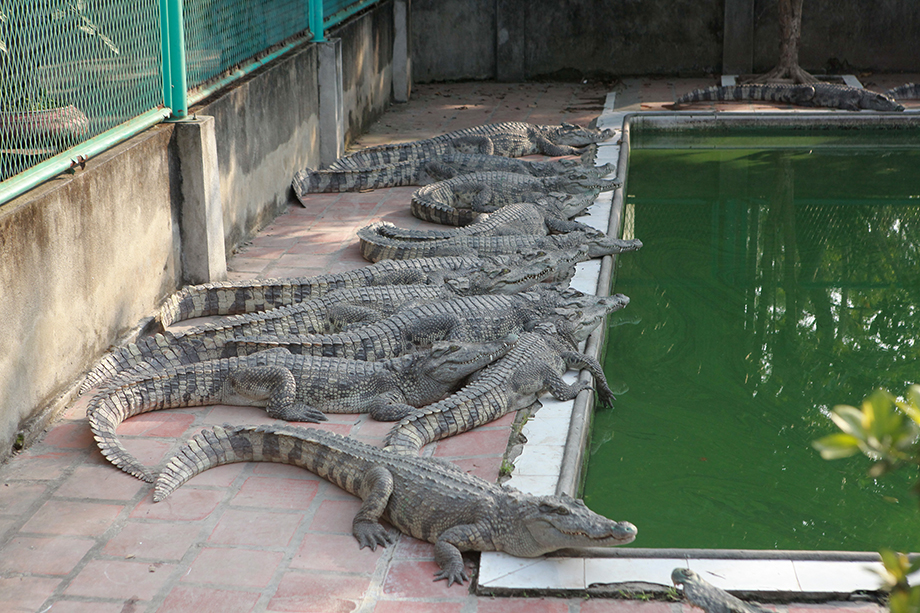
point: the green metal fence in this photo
(78, 76)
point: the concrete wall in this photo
(85, 258)
(512, 40)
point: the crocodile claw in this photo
(371, 534)
(453, 575)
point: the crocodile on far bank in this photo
(290, 387)
(508, 139)
(827, 95)
(425, 498)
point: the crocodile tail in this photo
(153, 352)
(375, 246)
(789, 94)
(908, 91)
(397, 233)
(307, 448)
(125, 398)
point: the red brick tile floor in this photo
(76, 534)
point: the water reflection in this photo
(772, 285)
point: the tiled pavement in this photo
(76, 534)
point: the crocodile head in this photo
(568, 205)
(879, 102)
(500, 279)
(580, 171)
(450, 362)
(586, 185)
(561, 261)
(582, 316)
(540, 524)
(576, 136)
(601, 245)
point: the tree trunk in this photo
(788, 69)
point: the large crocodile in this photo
(812, 95)
(234, 297)
(516, 381)
(471, 319)
(544, 217)
(460, 200)
(438, 168)
(376, 247)
(908, 91)
(428, 499)
(508, 139)
(290, 387)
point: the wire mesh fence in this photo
(71, 70)
(220, 34)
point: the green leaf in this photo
(850, 420)
(835, 446)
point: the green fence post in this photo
(175, 82)
(316, 20)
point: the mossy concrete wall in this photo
(512, 40)
(86, 257)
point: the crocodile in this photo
(290, 387)
(507, 139)
(708, 597)
(459, 201)
(908, 91)
(470, 318)
(423, 171)
(812, 95)
(519, 218)
(375, 246)
(425, 498)
(235, 297)
(513, 382)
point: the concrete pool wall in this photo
(553, 457)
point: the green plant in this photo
(886, 430)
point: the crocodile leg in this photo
(562, 390)
(375, 493)
(274, 384)
(387, 408)
(579, 361)
(447, 552)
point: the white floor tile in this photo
(521, 573)
(630, 570)
(753, 575)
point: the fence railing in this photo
(78, 76)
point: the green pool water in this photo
(773, 284)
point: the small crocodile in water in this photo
(520, 218)
(376, 247)
(708, 597)
(290, 387)
(908, 91)
(813, 95)
(235, 297)
(438, 168)
(513, 382)
(428, 499)
(508, 139)
(470, 319)
(458, 201)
